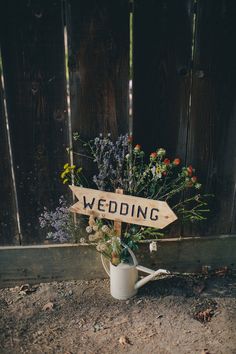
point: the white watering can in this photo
(124, 281)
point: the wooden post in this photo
(118, 224)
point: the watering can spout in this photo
(152, 274)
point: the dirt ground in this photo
(176, 314)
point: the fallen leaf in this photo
(49, 306)
(27, 289)
(24, 287)
(222, 271)
(204, 316)
(124, 340)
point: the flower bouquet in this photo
(119, 165)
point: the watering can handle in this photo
(130, 252)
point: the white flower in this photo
(105, 229)
(92, 238)
(161, 152)
(153, 246)
(98, 234)
(153, 169)
(127, 156)
(101, 247)
(82, 240)
(89, 229)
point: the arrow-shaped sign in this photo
(123, 208)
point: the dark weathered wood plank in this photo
(211, 142)
(68, 262)
(98, 63)
(162, 60)
(8, 225)
(162, 77)
(98, 38)
(33, 59)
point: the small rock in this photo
(49, 306)
(123, 340)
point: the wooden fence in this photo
(184, 91)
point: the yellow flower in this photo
(72, 167)
(66, 165)
(79, 170)
(65, 181)
(63, 174)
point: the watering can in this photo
(124, 281)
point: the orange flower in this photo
(166, 161)
(153, 155)
(176, 161)
(137, 147)
(190, 170)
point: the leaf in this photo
(48, 307)
(204, 316)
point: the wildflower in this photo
(153, 155)
(65, 181)
(66, 166)
(89, 229)
(137, 148)
(130, 139)
(198, 185)
(188, 182)
(63, 174)
(194, 179)
(153, 169)
(164, 173)
(101, 247)
(161, 152)
(82, 240)
(105, 229)
(166, 161)
(92, 238)
(98, 234)
(159, 171)
(176, 161)
(190, 170)
(115, 259)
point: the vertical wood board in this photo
(162, 60)
(211, 141)
(33, 60)
(162, 77)
(8, 225)
(98, 38)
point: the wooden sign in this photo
(123, 208)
